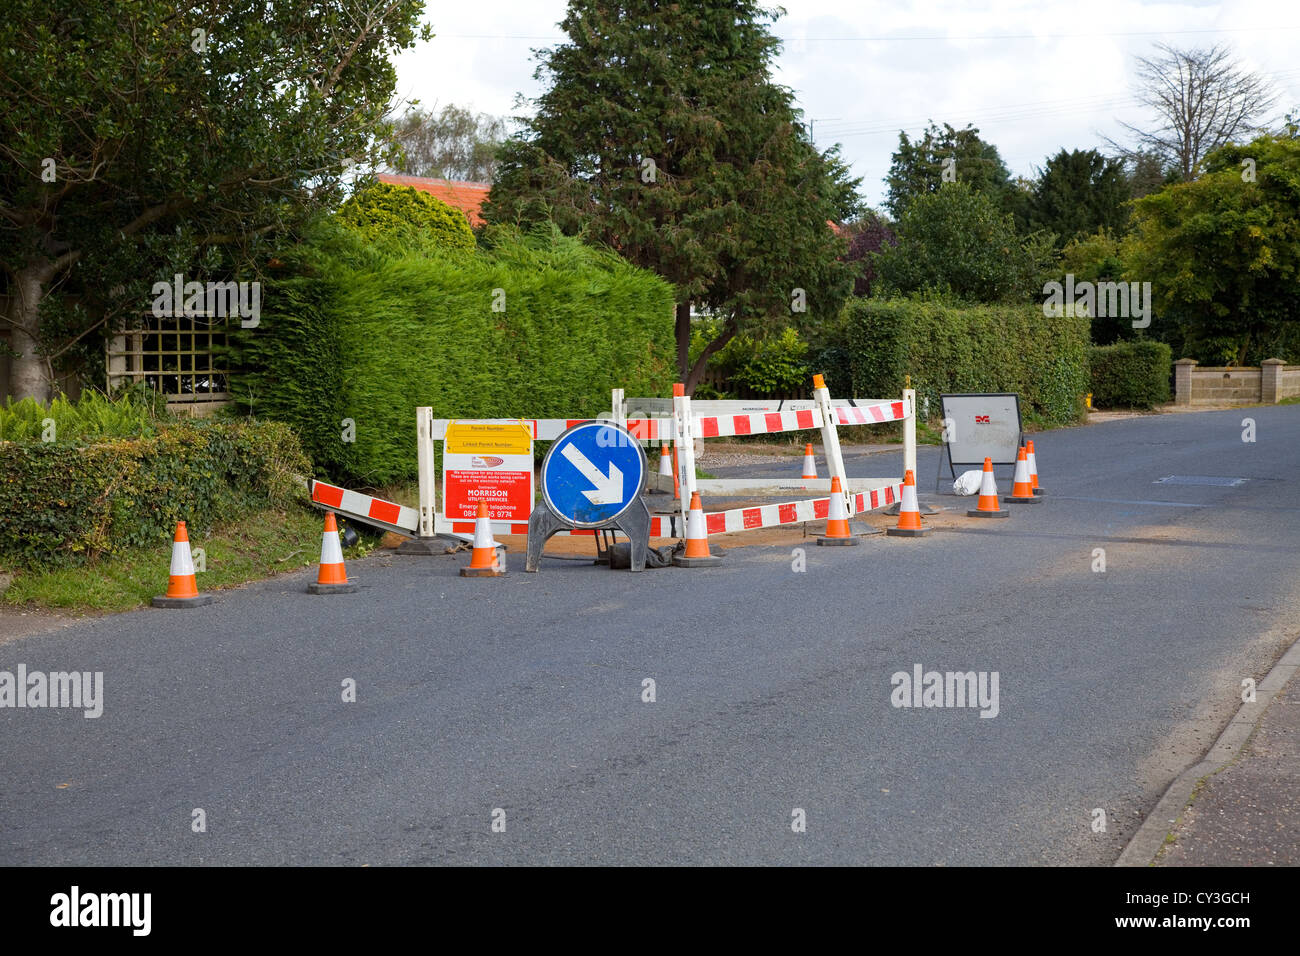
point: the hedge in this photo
(363, 336)
(958, 348)
(65, 503)
(1130, 374)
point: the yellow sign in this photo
(479, 438)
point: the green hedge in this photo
(956, 348)
(1130, 374)
(65, 503)
(352, 334)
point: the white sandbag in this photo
(968, 482)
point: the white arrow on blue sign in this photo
(592, 473)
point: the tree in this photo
(1098, 258)
(1202, 99)
(1222, 252)
(662, 135)
(1077, 193)
(1146, 175)
(450, 144)
(919, 167)
(867, 235)
(957, 242)
(140, 140)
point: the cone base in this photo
(481, 573)
(681, 561)
(197, 601)
(837, 542)
(988, 514)
(347, 587)
(1039, 491)
(1026, 500)
(907, 532)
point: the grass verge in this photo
(257, 546)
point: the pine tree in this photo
(663, 136)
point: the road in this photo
(772, 686)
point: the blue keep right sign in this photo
(593, 473)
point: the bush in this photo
(64, 503)
(352, 334)
(402, 215)
(953, 348)
(1130, 374)
(771, 365)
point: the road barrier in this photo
(487, 449)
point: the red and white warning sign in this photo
(488, 461)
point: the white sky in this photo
(1032, 76)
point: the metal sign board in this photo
(488, 461)
(979, 426)
(593, 473)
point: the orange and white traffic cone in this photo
(1033, 469)
(909, 512)
(988, 506)
(809, 462)
(333, 576)
(697, 554)
(665, 467)
(483, 560)
(837, 521)
(182, 588)
(1022, 492)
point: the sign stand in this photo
(592, 478)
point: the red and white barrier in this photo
(377, 511)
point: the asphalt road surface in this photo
(772, 686)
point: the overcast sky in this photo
(1032, 76)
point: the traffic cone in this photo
(333, 576)
(182, 588)
(1022, 492)
(697, 553)
(1033, 470)
(988, 503)
(665, 469)
(909, 513)
(483, 560)
(837, 523)
(809, 462)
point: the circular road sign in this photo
(592, 473)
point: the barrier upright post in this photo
(831, 438)
(685, 447)
(909, 431)
(428, 477)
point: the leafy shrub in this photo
(946, 347)
(400, 216)
(1130, 374)
(67, 502)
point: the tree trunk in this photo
(29, 371)
(682, 330)
(696, 371)
(1241, 353)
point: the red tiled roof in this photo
(468, 197)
